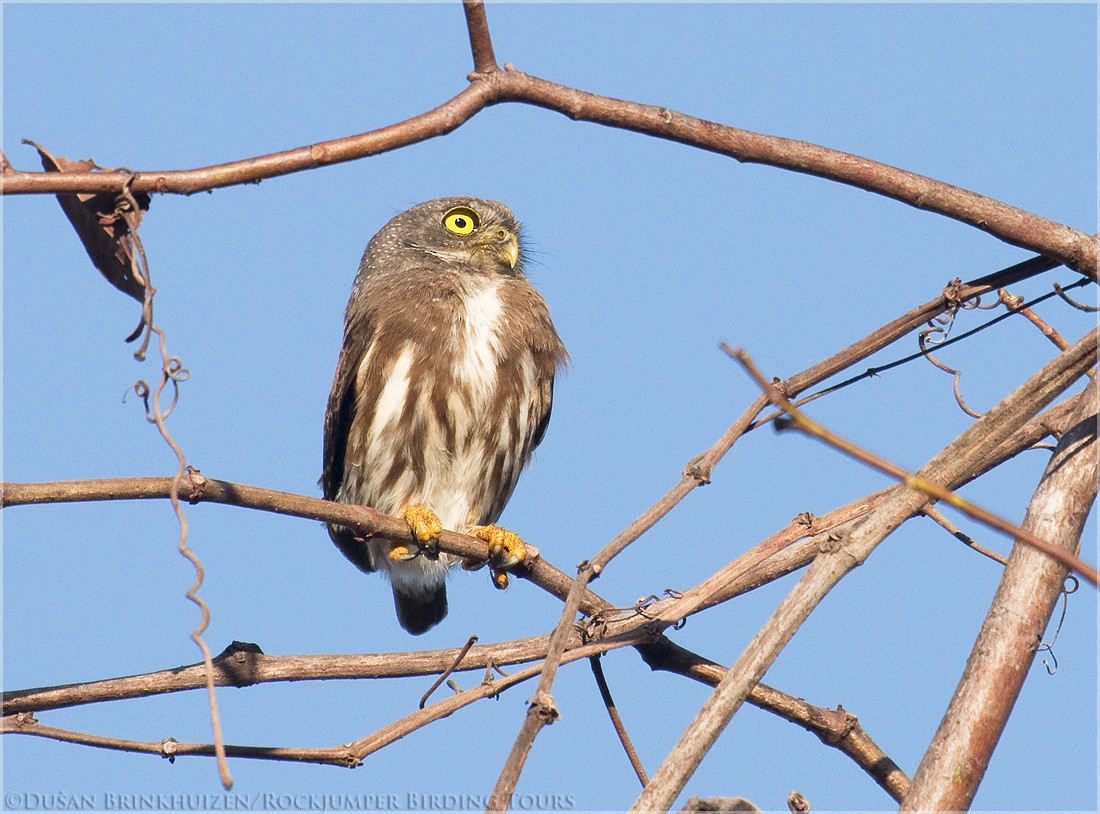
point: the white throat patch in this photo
(477, 363)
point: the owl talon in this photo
(425, 527)
(423, 523)
(506, 550)
(402, 553)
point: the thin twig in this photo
(1014, 273)
(243, 665)
(807, 425)
(173, 372)
(170, 748)
(446, 673)
(936, 516)
(617, 720)
(1045, 328)
(1080, 306)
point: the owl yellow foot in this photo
(425, 528)
(506, 550)
(401, 553)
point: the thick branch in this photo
(956, 760)
(481, 44)
(835, 728)
(1076, 249)
(1016, 226)
(350, 755)
(242, 665)
(964, 453)
(197, 488)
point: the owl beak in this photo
(501, 244)
(508, 248)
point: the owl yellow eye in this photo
(461, 221)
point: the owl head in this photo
(476, 234)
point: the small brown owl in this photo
(442, 390)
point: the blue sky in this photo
(650, 254)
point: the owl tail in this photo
(420, 612)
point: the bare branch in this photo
(26, 724)
(197, 488)
(242, 664)
(835, 728)
(955, 293)
(481, 44)
(698, 472)
(957, 459)
(1015, 226)
(617, 720)
(454, 665)
(956, 760)
(936, 516)
(441, 709)
(804, 423)
(1076, 249)
(349, 755)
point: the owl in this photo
(443, 389)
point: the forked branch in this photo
(951, 465)
(489, 85)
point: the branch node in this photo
(953, 293)
(830, 543)
(797, 802)
(725, 804)
(238, 663)
(806, 519)
(840, 724)
(544, 708)
(195, 482)
(699, 469)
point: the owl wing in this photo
(543, 405)
(338, 418)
